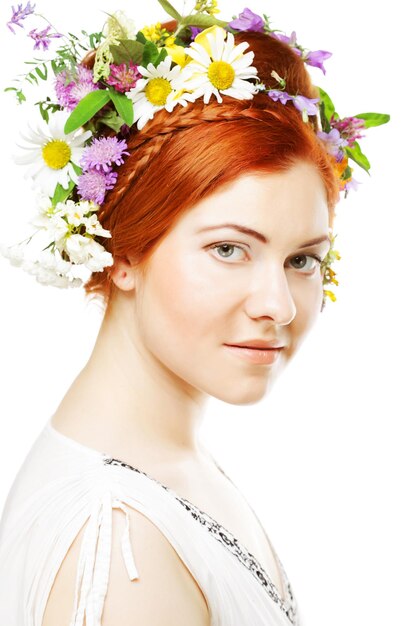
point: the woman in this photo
(219, 221)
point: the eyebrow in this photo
(254, 233)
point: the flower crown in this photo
(73, 154)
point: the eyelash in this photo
(234, 245)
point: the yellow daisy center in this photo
(221, 74)
(56, 154)
(157, 91)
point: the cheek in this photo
(179, 309)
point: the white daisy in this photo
(219, 66)
(160, 88)
(52, 154)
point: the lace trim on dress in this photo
(229, 541)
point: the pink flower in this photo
(123, 78)
(71, 87)
(349, 128)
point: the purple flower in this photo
(71, 87)
(19, 14)
(102, 152)
(315, 59)
(306, 105)
(291, 41)
(349, 127)
(247, 20)
(334, 143)
(122, 77)
(352, 184)
(93, 185)
(277, 94)
(42, 38)
(194, 32)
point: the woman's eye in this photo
(224, 249)
(301, 261)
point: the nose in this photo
(271, 297)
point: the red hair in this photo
(179, 158)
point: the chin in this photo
(245, 391)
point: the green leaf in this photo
(31, 78)
(77, 168)
(374, 119)
(62, 194)
(44, 75)
(328, 104)
(150, 53)
(112, 120)
(141, 37)
(168, 8)
(19, 93)
(86, 109)
(324, 121)
(162, 55)
(127, 50)
(356, 154)
(44, 112)
(204, 21)
(124, 106)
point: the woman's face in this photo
(208, 285)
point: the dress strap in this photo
(94, 561)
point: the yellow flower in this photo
(330, 294)
(177, 53)
(201, 38)
(154, 32)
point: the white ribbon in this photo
(94, 561)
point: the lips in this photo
(259, 344)
(257, 347)
(254, 354)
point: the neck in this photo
(125, 398)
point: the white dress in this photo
(62, 484)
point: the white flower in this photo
(52, 154)
(85, 251)
(51, 269)
(47, 276)
(77, 247)
(219, 66)
(93, 227)
(15, 254)
(161, 87)
(54, 225)
(99, 258)
(119, 26)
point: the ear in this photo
(123, 274)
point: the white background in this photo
(327, 460)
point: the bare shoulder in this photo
(165, 594)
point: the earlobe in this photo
(122, 274)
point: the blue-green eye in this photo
(314, 257)
(226, 248)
